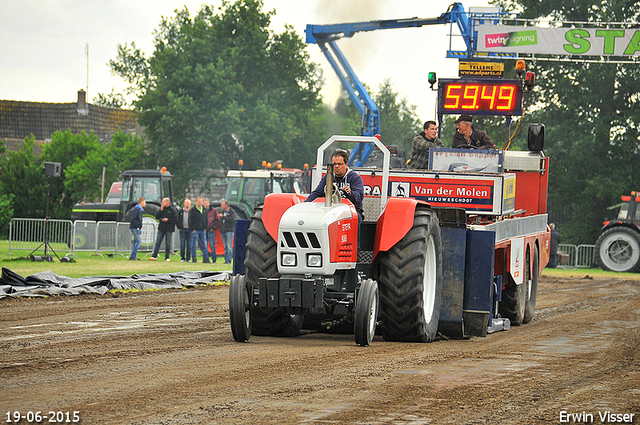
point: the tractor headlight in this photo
(314, 260)
(289, 260)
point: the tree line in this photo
(221, 86)
(218, 87)
(23, 184)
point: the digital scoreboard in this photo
(480, 97)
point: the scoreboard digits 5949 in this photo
(480, 97)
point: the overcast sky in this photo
(43, 43)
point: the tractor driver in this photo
(349, 183)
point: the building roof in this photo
(19, 120)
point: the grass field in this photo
(90, 265)
(582, 272)
(86, 264)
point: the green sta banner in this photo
(559, 41)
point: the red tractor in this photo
(618, 246)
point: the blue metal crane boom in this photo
(325, 36)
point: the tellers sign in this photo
(480, 97)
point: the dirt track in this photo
(168, 357)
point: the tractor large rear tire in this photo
(261, 261)
(618, 250)
(411, 282)
(532, 276)
(514, 297)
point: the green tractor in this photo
(246, 190)
(153, 185)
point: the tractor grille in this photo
(301, 240)
(345, 251)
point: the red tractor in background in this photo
(618, 246)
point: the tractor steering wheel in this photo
(466, 146)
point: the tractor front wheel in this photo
(366, 313)
(240, 308)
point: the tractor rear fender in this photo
(394, 223)
(619, 223)
(275, 204)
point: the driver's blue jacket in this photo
(351, 179)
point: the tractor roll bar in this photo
(356, 139)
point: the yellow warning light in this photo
(520, 67)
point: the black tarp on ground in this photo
(48, 283)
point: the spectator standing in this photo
(135, 225)
(167, 218)
(227, 227)
(213, 224)
(553, 246)
(198, 226)
(185, 232)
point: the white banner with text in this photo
(559, 41)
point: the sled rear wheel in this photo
(534, 274)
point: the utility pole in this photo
(86, 51)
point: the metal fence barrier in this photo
(29, 233)
(109, 237)
(103, 237)
(84, 236)
(574, 256)
(585, 256)
(124, 238)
